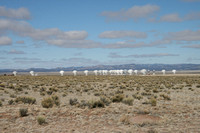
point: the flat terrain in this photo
(146, 104)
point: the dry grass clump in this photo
(125, 119)
(153, 102)
(152, 131)
(96, 104)
(23, 112)
(29, 100)
(73, 102)
(11, 101)
(41, 120)
(50, 101)
(105, 100)
(118, 98)
(165, 96)
(137, 96)
(128, 101)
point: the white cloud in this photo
(21, 13)
(24, 29)
(52, 36)
(135, 12)
(122, 34)
(115, 55)
(13, 51)
(126, 44)
(171, 18)
(186, 35)
(4, 40)
(74, 43)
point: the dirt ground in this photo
(118, 104)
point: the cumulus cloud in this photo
(115, 55)
(21, 13)
(24, 29)
(53, 36)
(74, 43)
(186, 35)
(126, 44)
(122, 34)
(171, 18)
(4, 40)
(135, 13)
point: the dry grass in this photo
(99, 102)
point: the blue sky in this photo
(49, 34)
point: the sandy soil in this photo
(177, 111)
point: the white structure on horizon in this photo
(96, 72)
(143, 71)
(32, 73)
(74, 72)
(136, 71)
(130, 71)
(86, 72)
(174, 71)
(15, 73)
(105, 72)
(154, 72)
(61, 72)
(163, 71)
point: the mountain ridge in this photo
(156, 67)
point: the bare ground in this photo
(179, 114)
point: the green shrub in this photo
(41, 120)
(10, 102)
(153, 102)
(117, 98)
(29, 100)
(128, 101)
(96, 104)
(56, 100)
(73, 101)
(13, 96)
(105, 100)
(23, 112)
(1, 104)
(47, 102)
(137, 96)
(50, 101)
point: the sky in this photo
(65, 33)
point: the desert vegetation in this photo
(100, 103)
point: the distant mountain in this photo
(157, 67)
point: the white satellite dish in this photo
(32, 73)
(86, 72)
(15, 73)
(74, 72)
(61, 72)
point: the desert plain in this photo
(110, 104)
